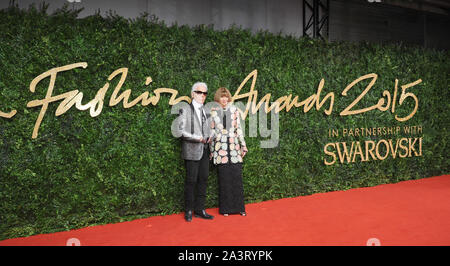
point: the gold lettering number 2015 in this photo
(381, 102)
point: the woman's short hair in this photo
(222, 92)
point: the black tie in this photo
(203, 119)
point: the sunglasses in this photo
(200, 92)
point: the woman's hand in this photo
(244, 151)
(204, 141)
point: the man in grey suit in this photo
(195, 135)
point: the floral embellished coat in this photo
(228, 138)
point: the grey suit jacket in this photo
(190, 131)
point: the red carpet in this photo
(413, 212)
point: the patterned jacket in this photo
(228, 138)
(188, 128)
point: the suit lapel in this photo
(195, 115)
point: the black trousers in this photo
(231, 189)
(196, 182)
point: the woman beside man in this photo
(228, 149)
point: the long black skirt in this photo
(231, 189)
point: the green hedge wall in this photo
(125, 164)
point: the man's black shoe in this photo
(188, 216)
(203, 214)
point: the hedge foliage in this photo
(125, 164)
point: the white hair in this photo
(199, 84)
